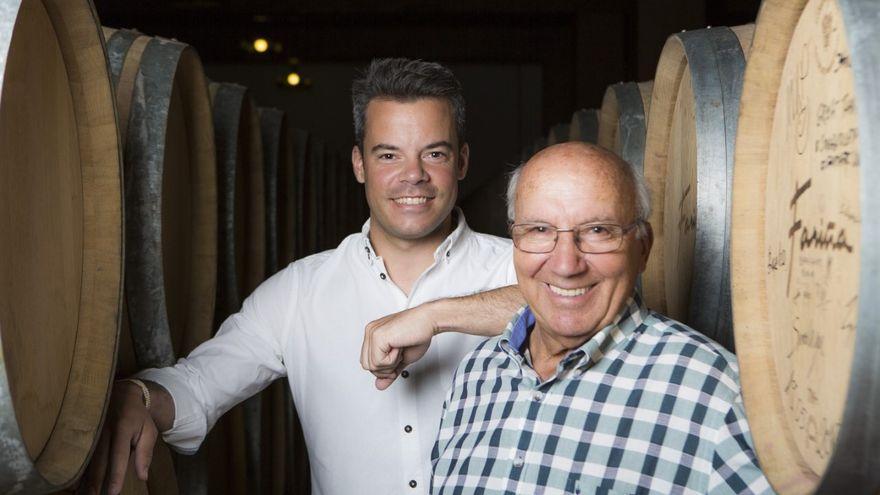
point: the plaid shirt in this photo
(647, 405)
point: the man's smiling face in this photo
(411, 164)
(573, 295)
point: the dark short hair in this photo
(405, 79)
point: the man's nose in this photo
(414, 171)
(566, 259)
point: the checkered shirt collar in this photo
(513, 339)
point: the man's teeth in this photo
(567, 292)
(410, 200)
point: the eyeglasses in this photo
(591, 238)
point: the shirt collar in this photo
(450, 246)
(632, 315)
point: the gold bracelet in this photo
(144, 389)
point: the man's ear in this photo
(463, 160)
(646, 241)
(357, 163)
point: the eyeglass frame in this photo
(624, 230)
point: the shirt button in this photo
(537, 396)
(382, 276)
(518, 461)
(404, 374)
(413, 484)
(407, 429)
(448, 253)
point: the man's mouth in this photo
(572, 292)
(411, 200)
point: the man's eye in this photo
(598, 229)
(386, 156)
(540, 229)
(436, 154)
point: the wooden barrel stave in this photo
(241, 202)
(241, 268)
(272, 131)
(171, 226)
(299, 143)
(688, 166)
(170, 196)
(709, 305)
(315, 184)
(623, 122)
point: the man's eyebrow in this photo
(439, 144)
(599, 220)
(383, 146)
(590, 220)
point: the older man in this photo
(588, 391)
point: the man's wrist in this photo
(161, 408)
(145, 391)
(439, 313)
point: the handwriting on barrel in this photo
(776, 260)
(827, 236)
(834, 106)
(687, 222)
(836, 140)
(820, 433)
(830, 237)
(807, 339)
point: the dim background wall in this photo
(524, 65)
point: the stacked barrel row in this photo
(210, 173)
(758, 177)
(215, 195)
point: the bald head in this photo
(577, 162)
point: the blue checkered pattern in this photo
(646, 406)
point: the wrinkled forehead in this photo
(575, 188)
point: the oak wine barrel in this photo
(314, 211)
(300, 144)
(689, 169)
(171, 212)
(170, 194)
(623, 120)
(61, 244)
(242, 261)
(805, 245)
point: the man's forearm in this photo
(484, 313)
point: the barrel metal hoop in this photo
(854, 466)
(631, 124)
(713, 56)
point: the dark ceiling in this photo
(582, 46)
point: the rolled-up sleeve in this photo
(244, 357)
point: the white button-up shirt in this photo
(307, 322)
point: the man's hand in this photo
(129, 430)
(394, 342)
